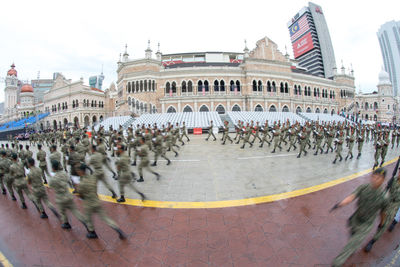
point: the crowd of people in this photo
(79, 158)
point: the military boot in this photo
(121, 199)
(91, 234)
(168, 162)
(43, 215)
(359, 155)
(176, 154)
(340, 158)
(154, 163)
(66, 226)
(368, 247)
(334, 162)
(391, 227)
(24, 205)
(140, 180)
(273, 151)
(134, 163)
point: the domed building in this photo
(380, 105)
(18, 98)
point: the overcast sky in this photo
(78, 37)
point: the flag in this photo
(203, 89)
(235, 89)
(299, 28)
(170, 92)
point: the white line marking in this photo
(271, 156)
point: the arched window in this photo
(133, 102)
(317, 110)
(187, 109)
(76, 103)
(167, 88)
(298, 110)
(318, 92)
(129, 101)
(222, 86)
(171, 109)
(269, 89)
(216, 86)
(73, 103)
(236, 108)
(326, 111)
(260, 86)
(238, 86)
(295, 89)
(299, 89)
(254, 86)
(145, 107)
(133, 87)
(154, 86)
(154, 110)
(259, 108)
(282, 88)
(308, 110)
(128, 87)
(145, 85)
(272, 108)
(173, 87)
(137, 104)
(141, 86)
(141, 106)
(204, 108)
(183, 87)
(190, 87)
(286, 88)
(137, 86)
(309, 91)
(232, 86)
(375, 105)
(273, 87)
(200, 86)
(220, 109)
(206, 87)
(285, 109)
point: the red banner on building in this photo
(303, 45)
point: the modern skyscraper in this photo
(389, 40)
(311, 42)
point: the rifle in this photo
(389, 185)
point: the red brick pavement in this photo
(292, 232)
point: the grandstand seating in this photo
(261, 117)
(202, 119)
(115, 122)
(22, 123)
(322, 117)
(191, 119)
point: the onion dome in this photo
(27, 88)
(12, 71)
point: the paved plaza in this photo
(295, 230)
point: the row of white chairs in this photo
(191, 119)
(115, 122)
(261, 117)
(322, 117)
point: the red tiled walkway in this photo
(292, 232)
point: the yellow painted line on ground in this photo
(240, 202)
(4, 261)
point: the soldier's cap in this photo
(380, 171)
(3, 153)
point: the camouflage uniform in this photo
(38, 189)
(370, 202)
(98, 160)
(41, 157)
(64, 198)
(19, 182)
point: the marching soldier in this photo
(370, 200)
(256, 133)
(277, 133)
(125, 176)
(385, 146)
(339, 147)
(210, 131)
(98, 160)
(38, 190)
(351, 140)
(55, 155)
(292, 132)
(18, 173)
(64, 199)
(360, 141)
(144, 162)
(265, 133)
(183, 132)
(247, 136)
(91, 203)
(5, 164)
(41, 157)
(226, 133)
(319, 136)
(159, 149)
(303, 142)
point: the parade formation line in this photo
(240, 202)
